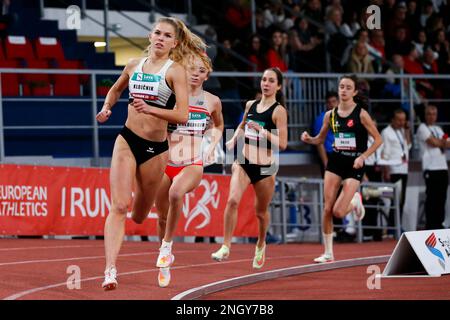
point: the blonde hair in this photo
(189, 44)
(205, 60)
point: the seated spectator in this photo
(333, 21)
(399, 44)
(398, 20)
(274, 15)
(238, 17)
(377, 43)
(276, 52)
(334, 4)
(413, 16)
(360, 61)
(420, 41)
(430, 66)
(350, 24)
(427, 12)
(256, 53)
(412, 65)
(302, 46)
(313, 10)
(441, 46)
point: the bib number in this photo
(345, 141)
(145, 86)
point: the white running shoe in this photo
(163, 277)
(358, 207)
(110, 282)
(221, 254)
(324, 258)
(165, 258)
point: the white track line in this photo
(53, 247)
(30, 291)
(204, 290)
(86, 258)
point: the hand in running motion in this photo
(103, 115)
(141, 107)
(231, 143)
(359, 162)
(306, 137)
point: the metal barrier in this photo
(297, 207)
(305, 94)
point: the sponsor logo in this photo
(150, 149)
(350, 123)
(431, 242)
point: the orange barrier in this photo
(39, 200)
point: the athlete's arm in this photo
(116, 90)
(240, 128)
(177, 79)
(320, 138)
(217, 130)
(372, 130)
(280, 119)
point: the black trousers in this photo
(404, 179)
(374, 174)
(436, 183)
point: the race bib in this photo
(345, 141)
(196, 124)
(252, 134)
(144, 86)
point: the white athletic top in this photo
(395, 148)
(152, 88)
(188, 137)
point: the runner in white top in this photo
(185, 166)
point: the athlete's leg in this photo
(148, 179)
(123, 168)
(343, 204)
(264, 191)
(238, 184)
(186, 181)
(162, 205)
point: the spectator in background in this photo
(276, 53)
(387, 10)
(378, 44)
(360, 61)
(420, 41)
(399, 44)
(313, 10)
(232, 110)
(274, 15)
(333, 22)
(256, 53)
(238, 17)
(412, 65)
(442, 47)
(324, 150)
(433, 143)
(302, 44)
(350, 24)
(397, 20)
(395, 149)
(413, 16)
(430, 66)
(427, 12)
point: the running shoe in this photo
(110, 282)
(221, 254)
(324, 258)
(260, 257)
(164, 277)
(358, 207)
(165, 258)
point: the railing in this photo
(297, 206)
(305, 95)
